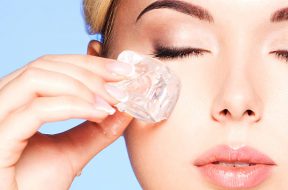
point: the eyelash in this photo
(166, 53)
(163, 52)
(281, 54)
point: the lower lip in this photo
(236, 177)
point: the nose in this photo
(237, 100)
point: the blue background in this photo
(31, 28)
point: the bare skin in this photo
(238, 81)
(56, 88)
(241, 68)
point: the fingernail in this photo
(116, 93)
(102, 105)
(120, 68)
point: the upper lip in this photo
(224, 153)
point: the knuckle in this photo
(35, 106)
(79, 88)
(90, 78)
(84, 74)
(97, 81)
(35, 62)
(33, 109)
(32, 64)
(76, 86)
(30, 74)
(45, 57)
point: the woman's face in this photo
(234, 95)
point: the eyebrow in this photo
(180, 6)
(280, 15)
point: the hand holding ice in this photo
(152, 89)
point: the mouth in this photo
(234, 169)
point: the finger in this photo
(83, 142)
(37, 82)
(4, 80)
(20, 125)
(108, 69)
(94, 82)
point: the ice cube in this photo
(152, 89)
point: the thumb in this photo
(86, 140)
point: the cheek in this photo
(162, 154)
(171, 146)
(158, 152)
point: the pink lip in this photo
(234, 177)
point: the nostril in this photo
(255, 117)
(250, 112)
(224, 112)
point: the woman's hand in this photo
(57, 88)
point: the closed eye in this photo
(165, 53)
(281, 54)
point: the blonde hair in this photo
(99, 16)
